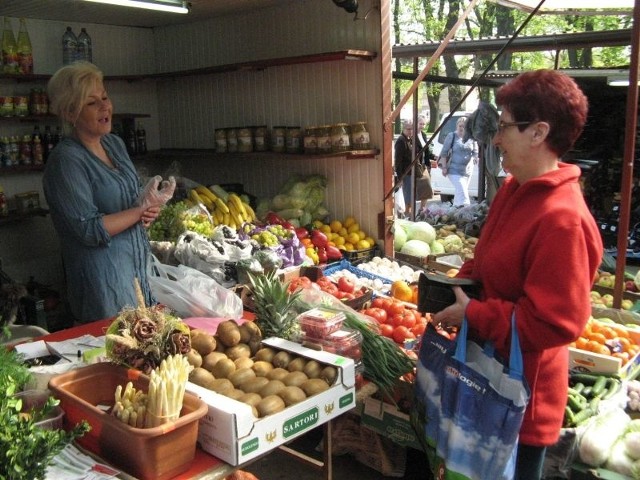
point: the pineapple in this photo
(274, 310)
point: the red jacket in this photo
(538, 251)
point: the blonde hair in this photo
(68, 89)
(461, 121)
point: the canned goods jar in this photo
(360, 136)
(278, 139)
(21, 106)
(232, 140)
(221, 140)
(260, 138)
(293, 140)
(323, 139)
(245, 140)
(340, 138)
(6, 106)
(310, 140)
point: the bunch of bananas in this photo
(226, 208)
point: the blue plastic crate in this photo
(346, 265)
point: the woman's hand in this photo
(149, 215)
(452, 315)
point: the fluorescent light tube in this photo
(174, 6)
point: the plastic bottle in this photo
(25, 52)
(4, 207)
(69, 47)
(85, 51)
(9, 48)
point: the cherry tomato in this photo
(386, 330)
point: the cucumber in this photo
(613, 387)
(583, 415)
(599, 386)
(585, 378)
(578, 387)
(576, 402)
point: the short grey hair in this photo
(68, 89)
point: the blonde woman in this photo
(462, 151)
(97, 205)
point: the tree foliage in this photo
(422, 21)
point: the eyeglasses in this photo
(502, 125)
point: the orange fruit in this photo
(401, 290)
(581, 342)
(598, 337)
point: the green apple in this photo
(626, 304)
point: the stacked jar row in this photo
(340, 137)
(37, 103)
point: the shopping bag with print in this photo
(469, 406)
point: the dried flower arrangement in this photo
(144, 336)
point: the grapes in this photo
(174, 219)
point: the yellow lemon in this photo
(348, 247)
(339, 241)
(348, 222)
(325, 229)
(363, 245)
(362, 235)
(342, 247)
(371, 241)
(317, 223)
(354, 227)
(336, 225)
(343, 232)
(353, 238)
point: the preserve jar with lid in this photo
(323, 139)
(221, 140)
(278, 139)
(293, 140)
(21, 106)
(340, 138)
(232, 140)
(260, 138)
(245, 140)
(360, 136)
(310, 140)
(6, 106)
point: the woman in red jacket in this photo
(538, 251)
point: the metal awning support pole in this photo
(626, 184)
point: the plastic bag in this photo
(191, 293)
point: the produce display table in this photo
(205, 466)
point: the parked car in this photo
(441, 184)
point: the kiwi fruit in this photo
(223, 386)
(209, 361)
(243, 362)
(312, 369)
(203, 343)
(297, 364)
(281, 359)
(250, 398)
(266, 354)
(237, 351)
(277, 373)
(292, 395)
(271, 388)
(223, 368)
(270, 405)
(253, 385)
(262, 368)
(241, 375)
(314, 386)
(229, 333)
(295, 378)
(201, 377)
(194, 358)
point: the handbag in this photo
(419, 169)
(469, 406)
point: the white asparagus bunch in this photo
(167, 385)
(130, 405)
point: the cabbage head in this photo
(416, 248)
(421, 231)
(399, 237)
(436, 247)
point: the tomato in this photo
(386, 330)
(330, 288)
(346, 285)
(323, 281)
(396, 319)
(408, 320)
(395, 307)
(401, 333)
(299, 283)
(417, 315)
(380, 314)
(418, 329)
(381, 302)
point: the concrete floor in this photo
(279, 465)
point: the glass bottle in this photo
(9, 48)
(25, 52)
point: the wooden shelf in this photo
(21, 169)
(15, 217)
(53, 118)
(362, 55)
(198, 153)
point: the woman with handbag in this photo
(458, 152)
(537, 254)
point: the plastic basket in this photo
(360, 256)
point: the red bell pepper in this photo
(302, 233)
(274, 219)
(318, 238)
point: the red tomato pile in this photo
(399, 322)
(396, 320)
(345, 289)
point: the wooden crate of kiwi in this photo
(235, 363)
